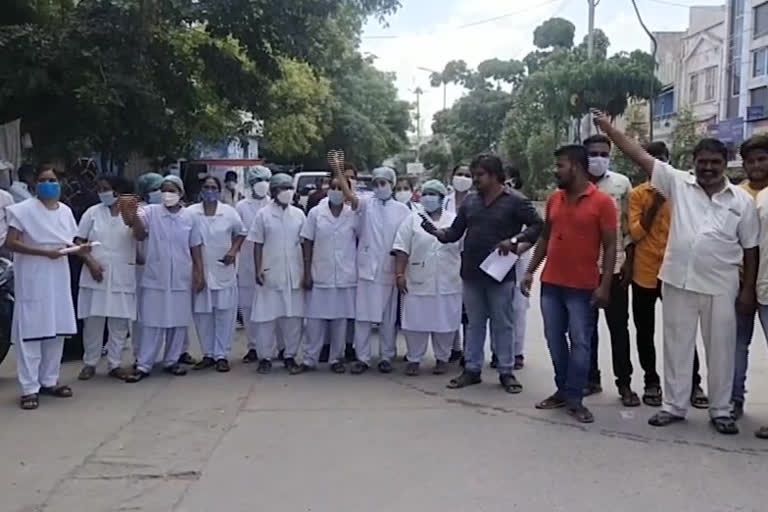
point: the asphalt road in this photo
(327, 443)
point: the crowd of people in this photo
(311, 287)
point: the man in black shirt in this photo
(493, 219)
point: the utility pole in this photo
(418, 93)
(591, 44)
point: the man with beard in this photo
(580, 221)
(714, 228)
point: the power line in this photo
(674, 4)
(476, 23)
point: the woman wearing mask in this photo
(404, 193)
(462, 185)
(429, 281)
(277, 255)
(257, 179)
(215, 307)
(173, 270)
(148, 188)
(330, 276)
(376, 299)
(39, 227)
(108, 287)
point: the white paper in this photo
(498, 266)
(75, 248)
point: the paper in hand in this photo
(498, 266)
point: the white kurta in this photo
(43, 307)
(115, 295)
(278, 230)
(217, 232)
(166, 286)
(246, 274)
(433, 301)
(378, 222)
(334, 262)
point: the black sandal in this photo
(698, 399)
(385, 367)
(629, 398)
(57, 391)
(359, 368)
(118, 374)
(338, 367)
(176, 370)
(464, 380)
(251, 357)
(136, 376)
(204, 364)
(29, 402)
(510, 384)
(762, 433)
(412, 370)
(664, 419)
(582, 414)
(555, 401)
(222, 366)
(652, 396)
(725, 425)
(265, 366)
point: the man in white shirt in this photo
(618, 187)
(22, 188)
(715, 227)
(6, 199)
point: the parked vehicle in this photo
(6, 305)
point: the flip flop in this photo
(698, 399)
(510, 384)
(464, 380)
(553, 402)
(176, 370)
(652, 396)
(664, 419)
(725, 425)
(581, 413)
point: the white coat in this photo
(379, 221)
(43, 307)
(115, 295)
(433, 267)
(334, 252)
(278, 230)
(246, 273)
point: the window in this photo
(665, 104)
(761, 20)
(710, 75)
(758, 103)
(693, 88)
(760, 62)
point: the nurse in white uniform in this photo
(278, 258)
(257, 181)
(330, 275)
(108, 287)
(173, 271)
(148, 188)
(429, 281)
(43, 314)
(376, 300)
(215, 307)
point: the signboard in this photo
(755, 112)
(414, 169)
(729, 131)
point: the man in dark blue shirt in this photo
(493, 220)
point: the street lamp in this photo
(445, 85)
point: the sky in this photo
(429, 33)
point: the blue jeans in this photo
(489, 301)
(568, 311)
(745, 327)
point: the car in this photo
(306, 182)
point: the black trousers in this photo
(644, 313)
(617, 318)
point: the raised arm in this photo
(338, 173)
(629, 146)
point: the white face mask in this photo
(462, 183)
(171, 199)
(599, 165)
(383, 193)
(260, 189)
(155, 197)
(231, 185)
(335, 197)
(431, 203)
(403, 196)
(107, 198)
(285, 197)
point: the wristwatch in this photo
(514, 240)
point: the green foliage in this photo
(554, 33)
(636, 121)
(684, 139)
(437, 156)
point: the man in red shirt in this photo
(580, 220)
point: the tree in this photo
(684, 139)
(437, 156)
(636, 122)
(554, 33)
(299, 112)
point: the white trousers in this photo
(520, 305)
(251, 334)
(38, 363)
(93, 336)
(317, 334)
(216, 332)
(266, 336)
(684, 311)
(417, 342)
(387, 335)
(152, 339)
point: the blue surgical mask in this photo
(48, 190)
(155, 197)
(210, 196)
(107, 198)
(431, 204)
(383, 193)
(335, 197)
